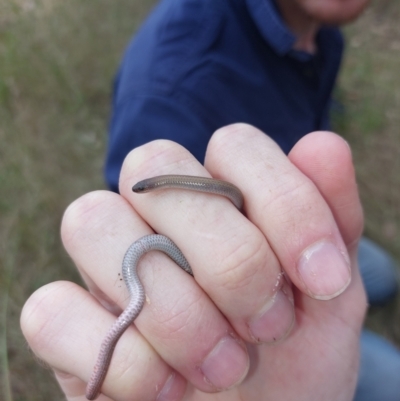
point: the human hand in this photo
(196, 337)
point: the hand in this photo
(239, 326)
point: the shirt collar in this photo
(271, 26)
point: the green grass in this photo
(57, 61)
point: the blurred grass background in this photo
(57, 61)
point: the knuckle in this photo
(239, 129)
(83, 214)
(294, 202)
(39, 322)
(181, 318)
(240, 268)
(125, 379)
(233, 133)
(157, 157)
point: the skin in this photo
(305, 17)
(240, 331)
(231, 328)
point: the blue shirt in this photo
(197, 65)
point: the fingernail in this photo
(276, 318)
(173, 388)
(227, 364)
(325, 270)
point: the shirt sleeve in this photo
(142, 119)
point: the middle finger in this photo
(229, 255)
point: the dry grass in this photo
(369, 88)
(372, 96)
(57, 60)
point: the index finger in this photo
(231, 259)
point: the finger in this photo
(326, 159)
(178, 319)
(61, 322)
(73, 387)
(230, 257)
(286, 206)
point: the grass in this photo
(369, 88)
(371, 92)
(57, 60)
